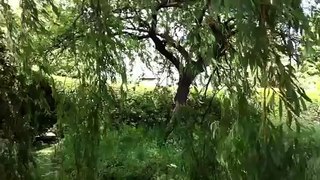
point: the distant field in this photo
(310, 84)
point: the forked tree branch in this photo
(177, 46)
(161, 47)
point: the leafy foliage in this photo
(218, 143)
(237, 47)
(27, 110)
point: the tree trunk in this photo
(183, 89)
(180, 99)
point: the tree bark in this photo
(180, 99)
(182, 93)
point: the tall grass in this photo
(220, 145)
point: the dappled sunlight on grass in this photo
(46, 168)
(46, 151)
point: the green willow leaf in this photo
(280, 109)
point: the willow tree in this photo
(34, 36)
(237, 45)
(230, 41)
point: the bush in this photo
(149, 108)
(154, 108)
(211, 142)
(26, 105)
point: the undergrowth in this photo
(220, 145)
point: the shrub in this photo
(211, 142)
(154, 108)
(26, 102)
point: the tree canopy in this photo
(235, 45)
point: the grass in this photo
(311, 85)
(135, 153)
(46, 168)
(125, 153)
